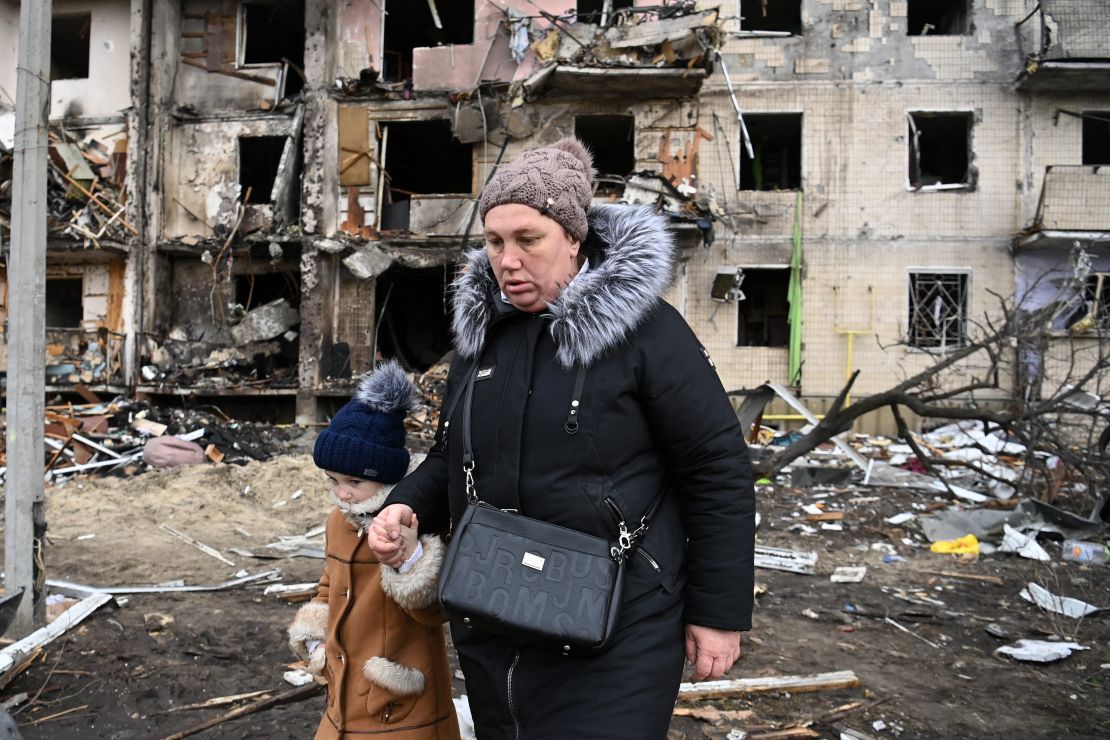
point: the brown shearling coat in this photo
(384, 654)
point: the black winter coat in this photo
(653, 417)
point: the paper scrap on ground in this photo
(1040, 651)
(848, 574)
(1065, 605)
(1023, 543)
(297, 677)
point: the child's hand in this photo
(409, 538)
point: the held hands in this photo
(385, 537)
(711, 651)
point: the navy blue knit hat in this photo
(366, 438)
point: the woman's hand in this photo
(384, 536)
(711, 651)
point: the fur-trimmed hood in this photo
(631, 268)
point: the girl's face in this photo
(349, 489)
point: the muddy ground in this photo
(126, 671)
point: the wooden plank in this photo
(71, 617)
(116, 289)
(744, 686)
(354, 146)
(825, 516)
(969, 576)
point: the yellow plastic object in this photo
(966, 544)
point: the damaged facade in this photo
(845, 179)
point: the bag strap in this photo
(455, 402)
(627, 541)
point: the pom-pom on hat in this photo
(557, 180)
(366, 438)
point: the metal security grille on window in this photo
(938, 310)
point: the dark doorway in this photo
(410, 24)
(413, 325)
(761, 316)
(273, 32)
(938, 18)
(64, 309)
(940, 149)
(1096, 137)
(777, 15)
(777, 145)
(69, 46)
(422, 158)
(259, 157)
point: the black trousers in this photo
(517, 692)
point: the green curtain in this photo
(794, 295)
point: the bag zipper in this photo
(509, 689)
(650, 559)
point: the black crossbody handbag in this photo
(525, 578)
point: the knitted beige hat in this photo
(558, 181)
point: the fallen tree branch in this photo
(297, 694)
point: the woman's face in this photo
(533, 257)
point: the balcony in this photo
(1074, 206)
(1070, 46)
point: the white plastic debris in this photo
(297, 677)
(902, 518)
(297, 494)
(1040, 651)
(878, 725)
(1022, 543)
(848, 574)
(466, 721)
(830, 527)
(1049, 601)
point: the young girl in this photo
(374, 632)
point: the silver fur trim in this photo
(416, 589)
(386, 389)
(394, 677)
(311, 623)
(599, 309)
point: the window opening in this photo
(594, 11)
(938, 310)
(413, 23)
(612, 141)
(413, 325)
(421, 158)
(777, 145)
(763, 308)
(64, 303)
(784, 16)
(938, 18)
(273, 33)
(259, 157)
(1096, 137)
(69, 46)
(257, 289)
(940, 149)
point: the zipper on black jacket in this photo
(649, 558)
(509, 694)
(615, 510)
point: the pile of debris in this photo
(80, 356)
(125, 437)
(258, 349)
(85, 196)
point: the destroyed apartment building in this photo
(257, 198)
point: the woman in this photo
(558, 287)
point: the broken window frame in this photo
(749, 144)
(608, 181)
(1088, 309)
(928, 329)
(744, 272)
(769, 32)
(74, 280)
(913, 174)
(968, 24)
